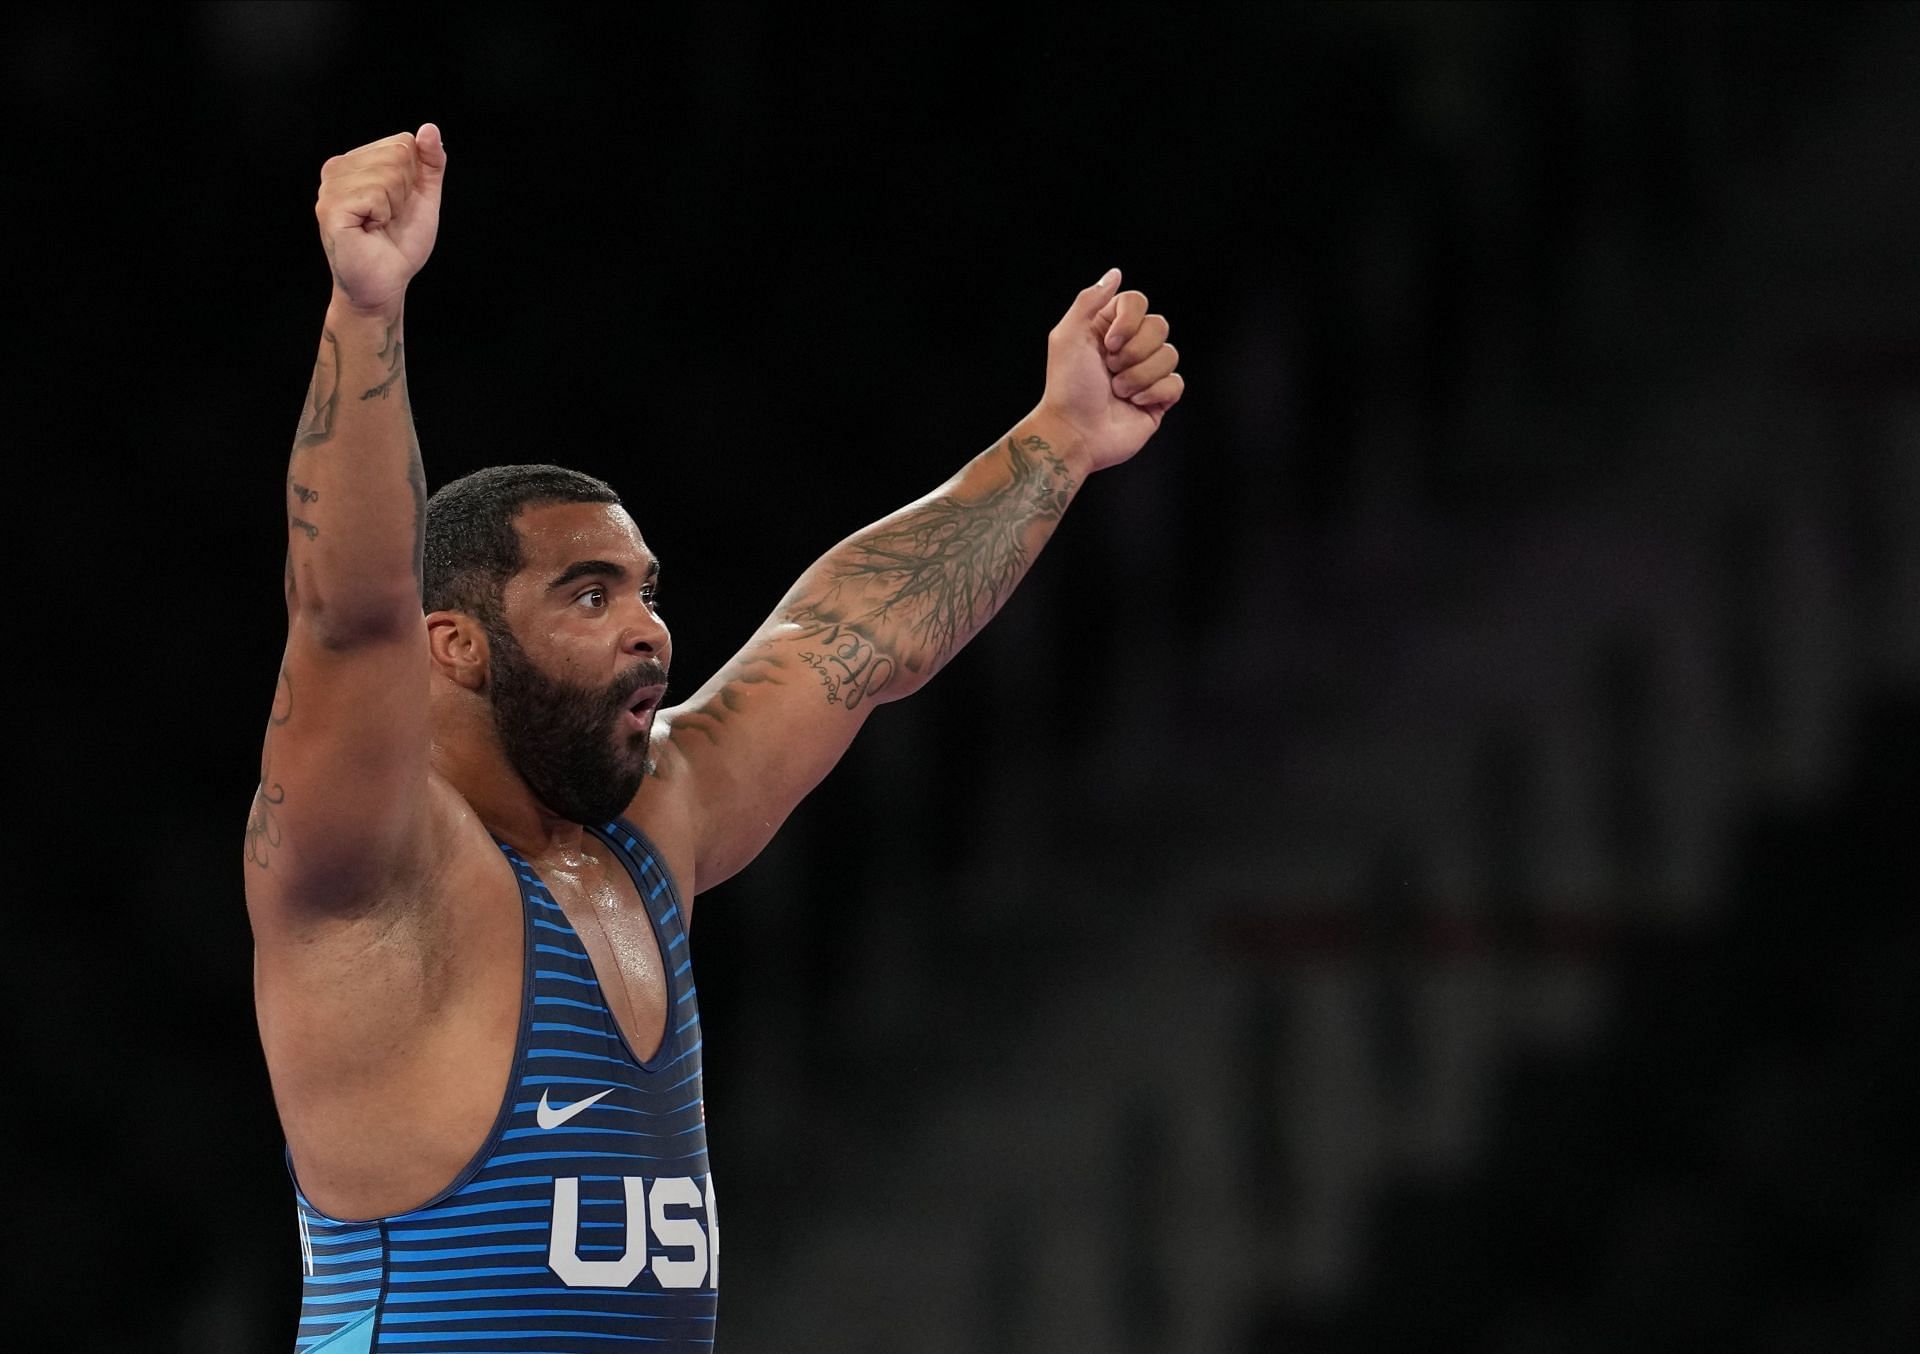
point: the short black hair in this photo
(471, 548)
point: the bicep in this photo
(343, 768)
(764, 731)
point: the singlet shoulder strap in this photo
(657, 884)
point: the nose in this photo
(645, 632)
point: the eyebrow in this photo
(599, 568)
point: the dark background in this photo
(1421, 865)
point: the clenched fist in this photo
(379, 209)
(1110, 371)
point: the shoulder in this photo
(664, 809)
(448, 853)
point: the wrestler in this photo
(481, 826)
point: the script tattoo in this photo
(299, 525)
(393, 349)
(849, 661)
(263, 829)
(323, 393)
(301, 492)
(911, 591)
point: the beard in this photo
(562, 738)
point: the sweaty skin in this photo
(387, 923)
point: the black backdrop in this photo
(774, 270)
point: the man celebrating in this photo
(479, 829)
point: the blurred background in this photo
(1417, 866)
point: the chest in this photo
(605, 910)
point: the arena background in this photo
(1417, 867)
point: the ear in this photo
(457, 643)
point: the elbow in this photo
(904, 679)
(362, 621)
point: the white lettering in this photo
(713, 1237)
(700, 1236)
(563, 1245)
(678, 1232)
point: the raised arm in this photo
(343, 771)
(878, 615)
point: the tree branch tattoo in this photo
(909, 592)
(902, 595)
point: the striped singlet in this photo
(586, 1221)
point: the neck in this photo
(467, 755)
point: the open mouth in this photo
(640, 709)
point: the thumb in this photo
(1089, 303)
(431, 156)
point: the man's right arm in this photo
(343, 773)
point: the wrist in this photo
(1061, 435)
(342, 308)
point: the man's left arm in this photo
(878, 615)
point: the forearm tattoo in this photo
(316, 429)
(393, 349)
(323, 394)
(909, 592)
(903, 595)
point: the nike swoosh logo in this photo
(550, 1117)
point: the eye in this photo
(650, 594)
(594, 597)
